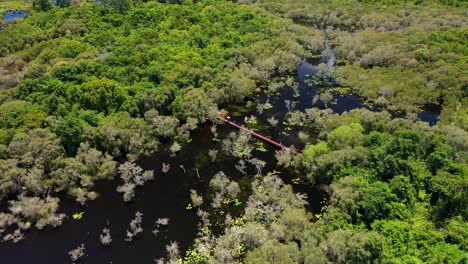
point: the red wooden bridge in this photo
(250, 131)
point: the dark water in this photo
(14, 14)
(430, 115)
(168, 195)
(339, 103)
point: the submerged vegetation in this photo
(84, 90)
(89, 89)
(399, 55)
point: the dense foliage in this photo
(403, 57)
(396, 195)
(397, 188)
(85, 85)
(87, 89)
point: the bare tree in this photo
(240, 166)
(233, 189)
(284, 157)
(132, 175)
(295, 88)
(238, 144)
(128, 190)
(16, 236)
(163, 221)
(173, 251)
(228, 221)
(217, 200)
(326, 97)
(260, 109)
(81, 196)
(147, 175)
(182, 167)
(105, 237)
(160, 222)
(155, 231)
(175, 147)
(135, 227)
(315, 99)
(213, 153)
(259, 165)
(273, 121)
(290, 105)
(252, 119)
(213, 130)
(197, 200)
(128, 170)
(77, 253)
(166, 167)
(56, 220)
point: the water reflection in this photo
(331, 59)
(429, 116)
(14, 14)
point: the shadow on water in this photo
(14, 14)
(430, 114)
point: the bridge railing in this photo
(250, 131)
